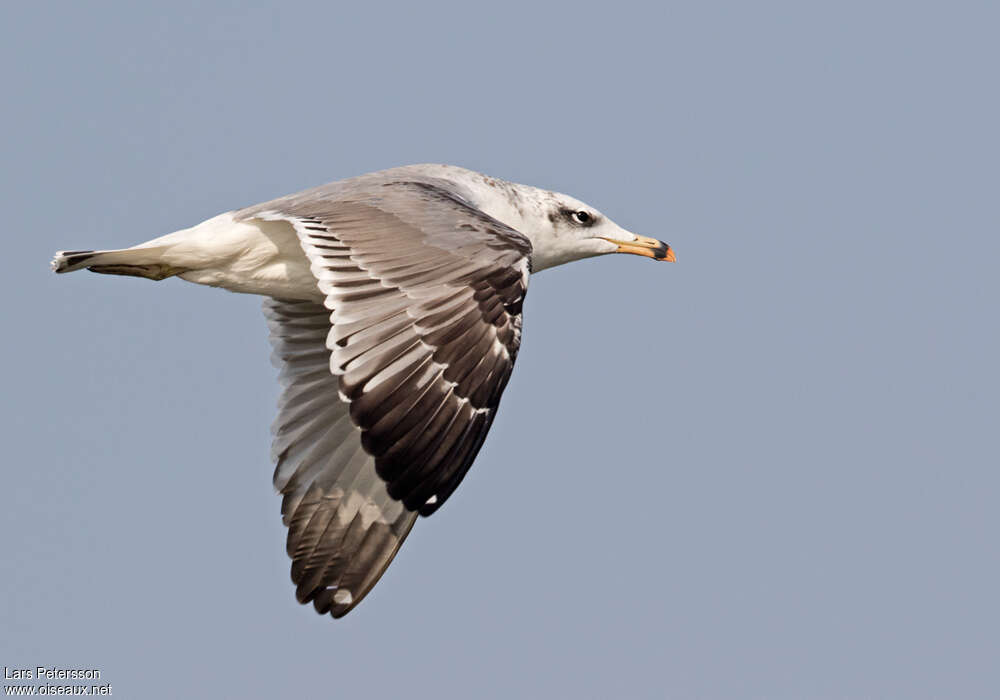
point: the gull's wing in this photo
(343, 528)
(391, 389)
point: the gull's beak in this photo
(648, 247)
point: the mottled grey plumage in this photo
(394, 304)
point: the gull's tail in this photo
(135, 262)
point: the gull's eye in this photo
(582, 217)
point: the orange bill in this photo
(648, 247)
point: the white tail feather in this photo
(138, 262)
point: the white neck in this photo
(526, 209)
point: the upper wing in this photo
(425, 295)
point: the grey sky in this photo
(767, 471)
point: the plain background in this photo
(769, 470)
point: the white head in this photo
(561, 228)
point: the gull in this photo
(394, 306)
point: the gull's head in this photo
(563, 229)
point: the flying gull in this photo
(394, 305)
